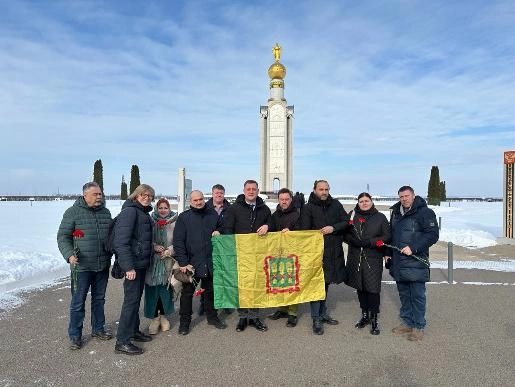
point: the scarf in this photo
(159, 274)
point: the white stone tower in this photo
(276, 126)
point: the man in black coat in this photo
(414, 230)
(324, 213)
(285, 218)
(247, 215)
(192, 246)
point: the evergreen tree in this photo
(433, 188)
(123, 191)
(98, 174)
(443, 192)
(134, 178)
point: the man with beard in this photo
(326, 214)
(247, 215)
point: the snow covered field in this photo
(29, 254)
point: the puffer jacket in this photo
(133, 236)
(317, 214)
(94, 222)
(418, 229)
(241, 219)
(192, 239)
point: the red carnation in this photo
(161, 222)
(78, 233)
(350, 222)
(361, 220)
(379, 243)
(199, 292)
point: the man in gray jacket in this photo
(88, 220)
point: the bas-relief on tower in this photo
(276, 125)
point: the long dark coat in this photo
(365, 264)
(317, 214)
(240, 218)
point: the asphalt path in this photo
(470, 340)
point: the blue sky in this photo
(382, 91)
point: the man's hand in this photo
(327, 230)
(285, 230)
(131, 275)
(406, 250)
(73, 260)
(386, 258)
(215, 233)
(262, 230)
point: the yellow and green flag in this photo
(279, 268)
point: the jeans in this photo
(129, 321)
(413, 303)
(318, 308)
(97, 280)
(186, 309)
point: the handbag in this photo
(116, 270)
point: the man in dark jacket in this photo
(285, 218)
(414, 230)
(247, 215)
(324, 213)
(89, 215)
(192, 246)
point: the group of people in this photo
(149, 248)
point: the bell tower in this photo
(276, 127)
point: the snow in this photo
(29, 256)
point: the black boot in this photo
(374, 327)
(364, 320)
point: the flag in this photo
(276, 269)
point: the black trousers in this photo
(188, 290)
(129, 316)
(369, 301)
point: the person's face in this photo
(407, 198)
(365, 203)
(93, 197)
(284, 200)
(322, 190)
(145, 199)
(163, 210)
(218, 196)
(251, 192)
(197, 200)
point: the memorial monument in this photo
(276, 127)
(508, 199)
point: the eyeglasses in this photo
(147, 196)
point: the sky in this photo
(382, 91)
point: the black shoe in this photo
(318, 327)
(364, 320)
(329, 320)
(374, 326)
(75, 344)
(258, 324)
(102, 335)
(242, 324)
(128, 349)
(141, 337)
(292, 321)
(278, 314)
(184, 329)
(218, 324)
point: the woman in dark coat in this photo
(364, 259)
(134, 248)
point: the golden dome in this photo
(277, 71)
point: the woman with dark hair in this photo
(134, 248)
(365, 260)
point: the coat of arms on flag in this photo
(252, 271)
